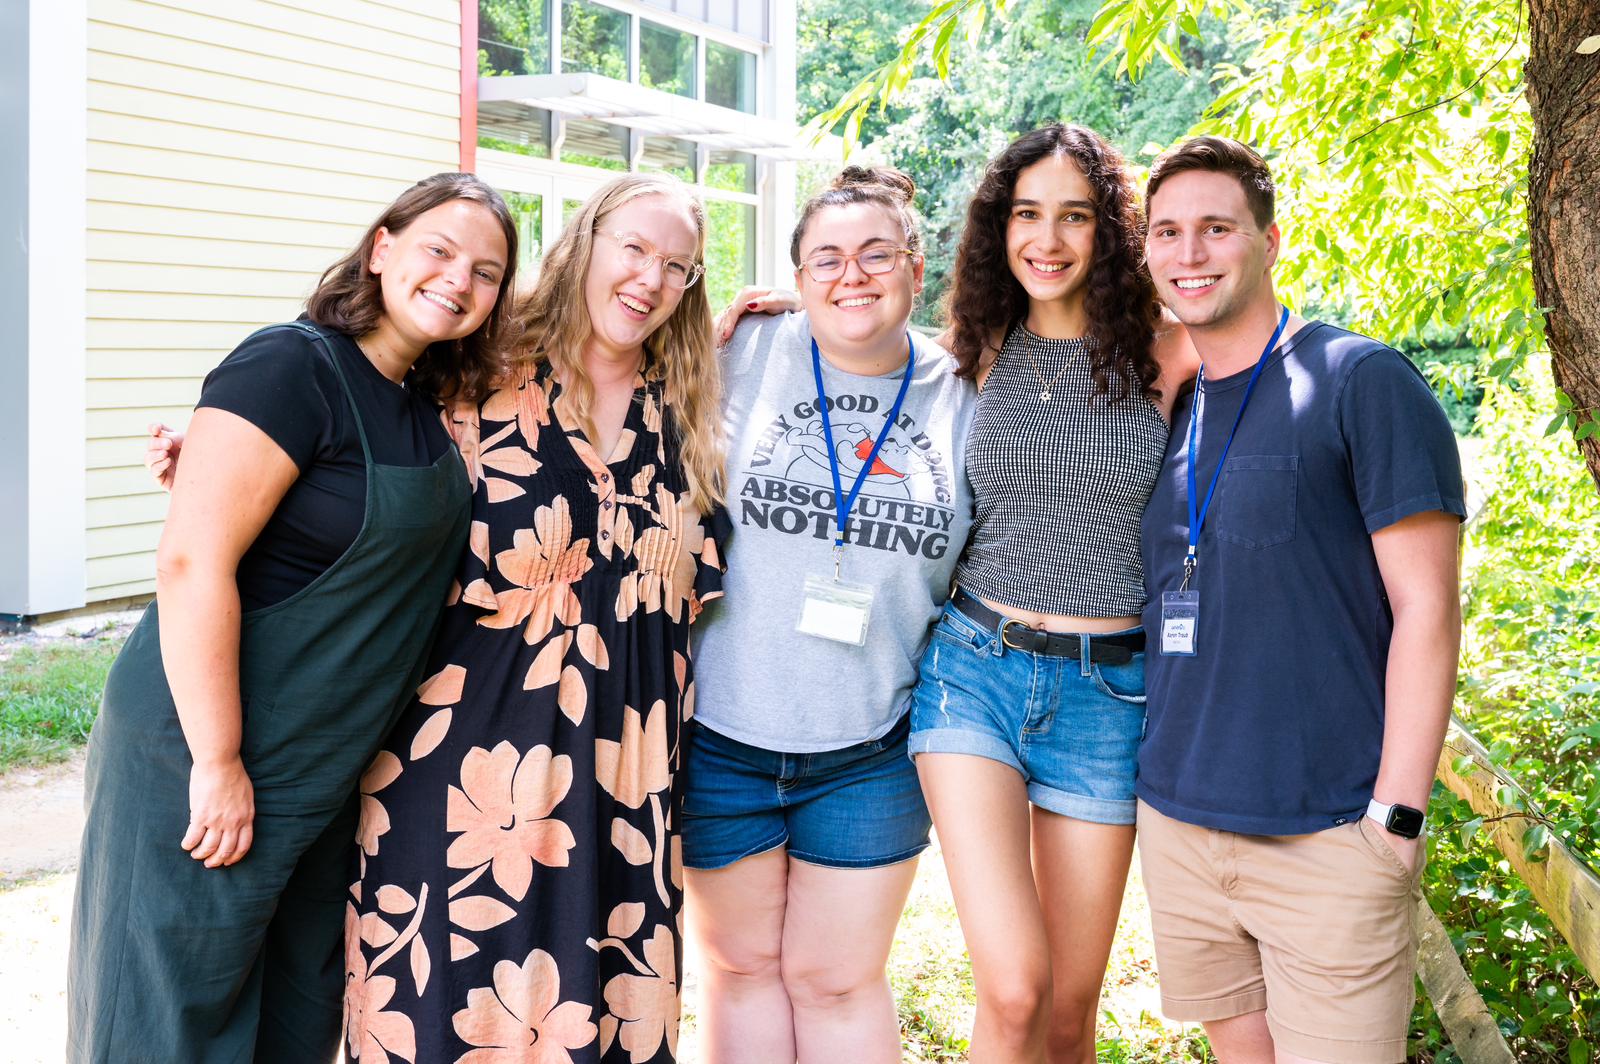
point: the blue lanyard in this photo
(843, 503)
(1197, 517)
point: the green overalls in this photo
(176, 963)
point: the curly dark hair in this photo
(349, 297)
(986, 298)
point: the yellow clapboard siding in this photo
(325, 23)
(121, 365)
(128, 509)
(171, 335)
(269, 70)
(198, 142)
(200, 252)
(111, 453)
(107, 215)
(198, 171)
(379, 117)
(122, 480)
(278, 128)
(235, 151)
(110, 424)
(121, 569)
(432, 19)
(141, 306)
(124, 539)
(252, 34)
(134, 589)
(126, 394)
(211, 280)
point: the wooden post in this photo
(1467, 1021)
(1565, 888)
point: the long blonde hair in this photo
(554, 319)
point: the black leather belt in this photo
(1106, 649)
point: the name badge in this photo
(835, 610)
(1180, 622)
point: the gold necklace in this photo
(1044, 389)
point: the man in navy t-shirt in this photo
(1305, 616)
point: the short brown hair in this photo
(883, 186)
(349, 298)
(1219, 155)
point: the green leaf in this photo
(1578, 1052)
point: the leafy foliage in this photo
(1033, 69)
(1529, 691)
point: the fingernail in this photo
(750, 306)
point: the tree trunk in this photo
(1564, 199)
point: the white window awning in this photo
(656, 113)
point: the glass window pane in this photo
(513, 37)
(731, 171)
(730, 249)
(666, 59)
(528, 212)
(591, 143)
(730, 77)
(594, 39)
(569, 209)
(670, 154)
(514, 127)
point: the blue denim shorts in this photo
(860, 807)
(1070, 726)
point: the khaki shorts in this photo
(1319, 930)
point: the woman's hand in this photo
(161, 453)
(753, 301)
(222, 812)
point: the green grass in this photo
(932, 979)
(49, 696)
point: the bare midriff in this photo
(1055, 622)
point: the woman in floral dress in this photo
(520, 883)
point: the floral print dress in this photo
(520, 888)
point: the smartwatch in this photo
(1400, 820)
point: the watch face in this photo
(1405, 821)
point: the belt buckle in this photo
(1007, 623)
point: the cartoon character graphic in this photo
(895, 464)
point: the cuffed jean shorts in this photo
(859, 807)
(1070, 726)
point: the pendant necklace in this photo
(1045, 389)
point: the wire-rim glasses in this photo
(825, 266)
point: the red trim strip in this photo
(469, 85)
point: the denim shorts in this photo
(1070, 726)
(859, 807)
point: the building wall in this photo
(234, 151)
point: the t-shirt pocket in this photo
(1256, 501)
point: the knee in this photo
(1071, 1034)
(1018, 1004)
(816, 986)
(736, 961)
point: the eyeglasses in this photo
(639, 254)
(829, 265)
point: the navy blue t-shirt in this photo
(1275, 726)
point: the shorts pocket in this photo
(1372, 837)
(1125, 683)
(1256, 500)
(954, 627)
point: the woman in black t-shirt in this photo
(312, 534)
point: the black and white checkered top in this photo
(1060, 478)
